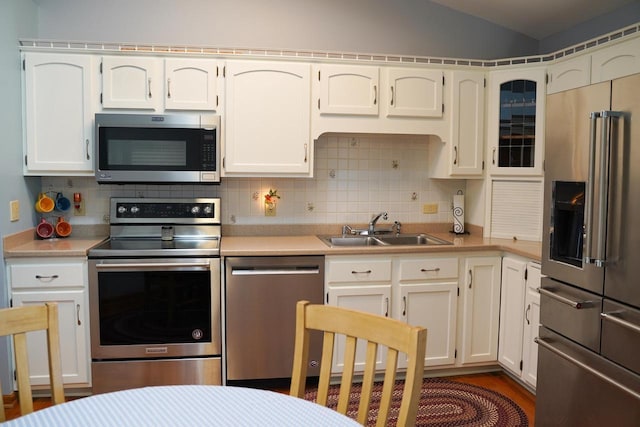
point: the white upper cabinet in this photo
(413, 92)
(267, 125)
(156, 84)
(58, 103)
(619, 60)
(348, 89)
(569, 74)
(515, 134)
(190, 84)
(132, 82)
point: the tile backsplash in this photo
(355, 176)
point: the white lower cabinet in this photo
(418, 289)
(519, 318)
(479, 311)
(63, 280)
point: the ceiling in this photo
(535, 18)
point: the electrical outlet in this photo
(78, 208)
(430, 208)
(14, 208)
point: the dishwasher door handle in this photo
(267, 271)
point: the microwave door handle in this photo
(588, 238)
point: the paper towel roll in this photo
(458, 213)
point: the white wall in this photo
(17, 20)
(410, 27)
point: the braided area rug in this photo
(443, 403)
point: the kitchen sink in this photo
(384, 240)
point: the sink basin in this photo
(382, 240)
(352, 241)
(413, 239)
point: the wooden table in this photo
(188, 405)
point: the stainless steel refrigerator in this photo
(589, 341)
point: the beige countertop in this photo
(24, 244)
(312, 245)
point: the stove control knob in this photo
(135, 209)
(122, 209)
(208, 209)
(195, 210)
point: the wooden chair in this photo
(19, 320)
(397, 336)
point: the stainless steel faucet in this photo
(372, 223)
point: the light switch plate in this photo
(14, 209)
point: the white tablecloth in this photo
(189, 405)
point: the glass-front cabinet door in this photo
(516, 122)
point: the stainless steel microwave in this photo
(157, 148)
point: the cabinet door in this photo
(433, 306)
(76, 359)
(569, 74)
(372, 299)
(511, 314)
(414, 93)
(190, 84)
(531, 325)
(348, 89)
(516, 122)
(481, 309)
(268, 119)
(467, 123)
(622, 59)
(58, 114)
(129, 82)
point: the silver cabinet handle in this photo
(392, 96)
(78, 314)
(386, 310)
(568, 301)
(149, 87)
(305, 153)
(87, 148)
(526, 314)
(404, 306)
(542, 343)
(470, 278)
(426, 270)
(621, 322)
(361, 272)
(493, 156)
(375, 94)
(168, 88)
(455, 155)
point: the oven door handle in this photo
(153, 266)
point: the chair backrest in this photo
(18, 321)
(376, 330)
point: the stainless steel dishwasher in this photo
(260, 305)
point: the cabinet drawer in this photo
(46, 275)
(359, 271)
(429, 268)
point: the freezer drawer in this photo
(260, 305)
(571, 312)
(621, 334)
(579, 388)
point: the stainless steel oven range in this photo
(154, 295)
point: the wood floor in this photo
(496, 381)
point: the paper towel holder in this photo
(457, 207)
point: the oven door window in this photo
(154, 307)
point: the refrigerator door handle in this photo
(542, 343)
(603, 186)
(588, 220)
